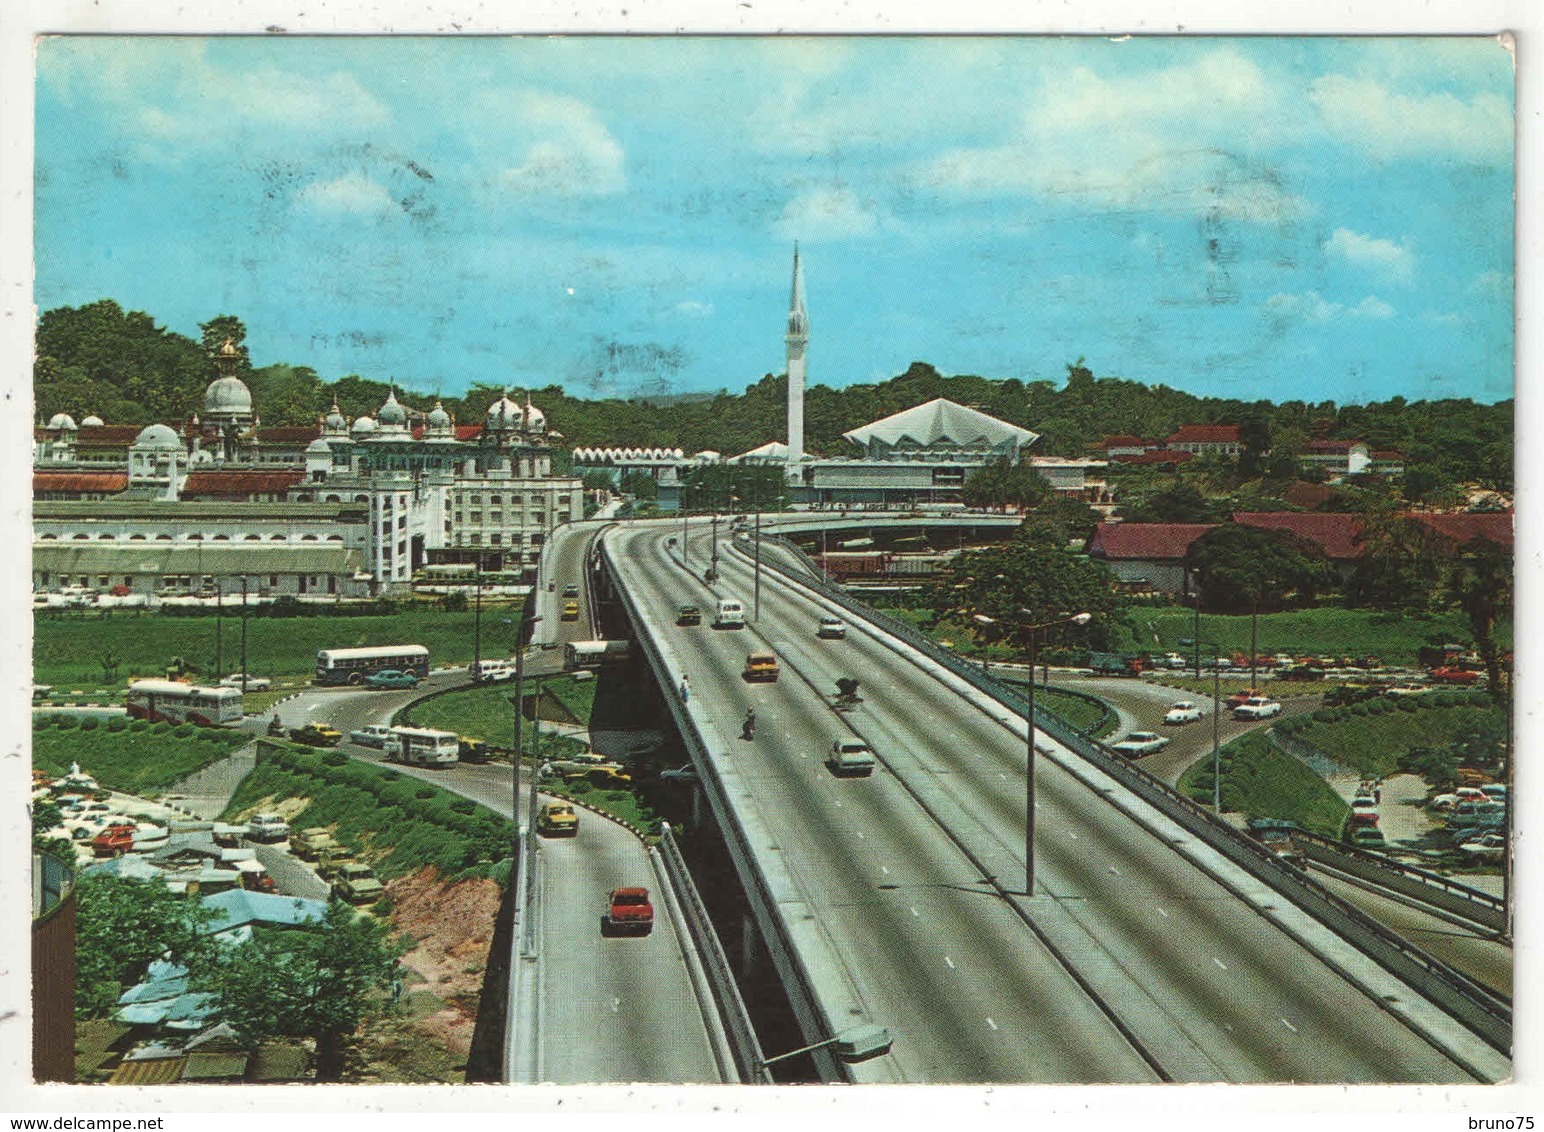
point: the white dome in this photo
(438, 417)
(535, 419)
(318, 446)
(335, 420)
(159, 438)
(227, 395)
(93, 421)
(392, 414)
(504, 414)
(62, 420)
(364, 424)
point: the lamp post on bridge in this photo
(1033, 628)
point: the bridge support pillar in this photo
(753, 949)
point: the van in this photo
(731, 614)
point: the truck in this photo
(628, 910)
(316, 735)
(419, 746)
(730, 614)
(357, 884)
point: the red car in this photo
(114, 841)
(1450, 674)
(629, 910)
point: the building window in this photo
(108, 538)
(476, 540)
(494, 517)
(402, 523)
(253, 538)
(477, 517)
(334, 538)
(49, 538)
(495, 538)
(102, 580)
(495, 499)
(273, 581)
(81, 536)
(458, 516)
(308, 538)
(132, 538)
(277, 538)
(195, 537)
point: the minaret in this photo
(798, 338)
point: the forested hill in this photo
(124, 368)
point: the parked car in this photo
(558, 819)
(316, 735)
(1183, 711)
(267, 827)
(687, 773)
(311, 844)
(688, 615)
(1368, 837)
(114, 841)
(373, 735)
(831, 629)
(330, 862)
(851, 757)
(1257, 707)
(254, 683)
(358, 884)
(1486, 847)
(391, 678)
(1140, 743)
(628, 910)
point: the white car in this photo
(267, 827)
(1174, 660)
(254, 683)
(375, 735)
(831, 628)
(1183, 711)
(1257, 707)
(1140, 743)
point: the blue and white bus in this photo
(351, 666)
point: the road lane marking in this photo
(615, 1005)
(914, 912)
(1219, 963)
(1114, 871)
(1289, 1025)
(950, 962)
(884, 870)
(1072, 835)
(990, 1023)
(1162, 913)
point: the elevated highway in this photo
(1145, 953)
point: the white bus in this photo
(592, 654)
(418, 746)
(172, 699)
(351, 666)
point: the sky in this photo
(1281, 218)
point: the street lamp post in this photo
(243, 634)
(713, 564)
(1216, 723)
(219, 651)
(1029, 720)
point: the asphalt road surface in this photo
(1213, 989)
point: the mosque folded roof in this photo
(940, 421)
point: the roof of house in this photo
(1337, 533)
(1205, 434)
(1144, 541)
(1332, 447)
(108, 435)
(79, 481)
(1308, 496)
(1123, 442)
(1461, 528)
(239, 483)
(1161, 456)
(288, 434)
(238, 906)
(941, 420)
(156, 558)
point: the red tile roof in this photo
(1340, 535)
(239, 483)
(1331, 447)
(1308, 496)
(1205, 434)
(1388, 454)
(288, 434)
(1147, 541)
(79, 481)
(1159, 457)
(1493, 525)
(109, 435)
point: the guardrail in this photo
(1465, 999)
(744, 1044)
(1440, 892)
(763, 891)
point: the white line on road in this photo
(1162, 913)
(990, 1023)
(1219, 963)
(950, 962)
(615, 1005)
(1114, 871)
(1289, 1025)
(914, 912)
(884, 870)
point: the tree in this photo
(224, 328)
(1237, 568)
(598, 479)
(640, 485)
(1002, 483)
(1480, 582)
(1175, 502)
(316, 982)
(1254, 433)
(1401, 565)
(1034, 572)
(121, 927)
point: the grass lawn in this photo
(67, 650)
(1392, 638)
(486, 713)
(1374, 743)
(1261, 782)
(136, 757)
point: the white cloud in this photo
(1310, 306)
(1394, 260)
(827, 214)
(352, 194)
(1166, 138)
(1392, 124)
(693, 308)
(568, 150)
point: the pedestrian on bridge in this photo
(686, 689)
